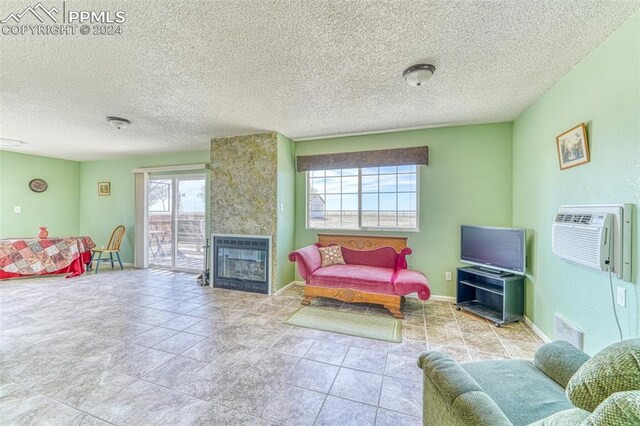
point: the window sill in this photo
(347, 230)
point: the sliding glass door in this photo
(160, 201)
(190, 223)
(177, 222)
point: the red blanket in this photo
(35, 256)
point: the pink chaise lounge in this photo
(379, 276)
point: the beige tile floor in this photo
(149, 347)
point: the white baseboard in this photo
(434, 297)
(104, 262)
(277, 293)
(437, 298)
(537, 330)
(117, 266)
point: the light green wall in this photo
(57, 208)
(286, 209)
(496, 174)
(467, 181)
(99, 215)
(603, 92)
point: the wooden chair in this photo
(112, 247)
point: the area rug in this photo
(371, 327)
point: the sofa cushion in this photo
(574, 416)
(383, 257)
(356, 277)
(614, 369)
(621, 408)
(523, 393)
(331, 255)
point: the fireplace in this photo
(241, 262)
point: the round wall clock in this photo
(38, 185)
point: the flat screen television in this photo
(494, 249)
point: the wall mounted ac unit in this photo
(596, 236)
(583, 238)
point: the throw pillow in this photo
(331, 255)
(614, 369)
(621, 408)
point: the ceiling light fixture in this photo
(10, 143)
(118, 123)
(417, 75)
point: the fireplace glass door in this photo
(241, 264)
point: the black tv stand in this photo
(490, 271)
(498, 298)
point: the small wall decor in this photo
(573, 147)
(38, 185)
(104, 188)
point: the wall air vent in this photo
(584, 219)
(568, 332)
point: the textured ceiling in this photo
(186, 71)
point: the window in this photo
(364, 198)
(159, 195)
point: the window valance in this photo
(378, 158)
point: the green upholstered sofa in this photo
(560, 386)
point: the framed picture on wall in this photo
(573, 147)
(104, 188)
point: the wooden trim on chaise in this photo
(390, 301)
(363, 242)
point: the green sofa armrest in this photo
(456, 393)
(559, 360)
(450, 379)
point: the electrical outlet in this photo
(17, 209)
(621, 296)
(447, 276)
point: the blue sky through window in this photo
(191, 193)
(388, 197)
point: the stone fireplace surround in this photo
(252, 193)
